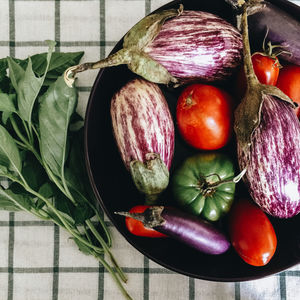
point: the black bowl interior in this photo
(115, 191)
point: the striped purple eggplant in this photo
(176, 46)
(144, 132)
(268, 142)
(197, 45)
(273, 161)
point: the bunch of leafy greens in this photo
(41, 156)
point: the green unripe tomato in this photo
(203, 185)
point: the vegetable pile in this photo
(242, 125)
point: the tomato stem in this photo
(214, 185)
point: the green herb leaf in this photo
(8, 199)
(7, 102)
(16, 73)
(29, 87)
(3, 67)
(76, 173)
(46, 190)
(33, 172)
(82, 247)
(9, 152)
(56, 108)
(58, 64)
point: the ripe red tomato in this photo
(204, 116)
(289, 83)
(251, 232)
(266, 68)
(137, 228)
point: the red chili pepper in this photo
(137, 228)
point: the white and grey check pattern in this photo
(38, 261)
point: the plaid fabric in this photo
(38, 261)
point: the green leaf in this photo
(3, 66)
(56, 108)
(16, 73)
(82, 247)
(76, 172)
(59, 63)
(9, 152)
(46, 190)
(61, 203)
(5, 116)
(29, 87)
(7, 102)
(33, 172)
(10, 199)
(8, 205)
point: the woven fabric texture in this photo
(38, 261)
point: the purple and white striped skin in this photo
(142, 122)
(273, 161)
(197, 45)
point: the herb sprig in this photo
(41, 157)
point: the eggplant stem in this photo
(252, 80)
(122, 56)
(136, 216)
(150, 218)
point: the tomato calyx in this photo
(268, 50)
(189, 101)
(208, 188)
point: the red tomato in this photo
(137, 228)
(289, 83)
(204, 116)
(252, 234)
(266, 69)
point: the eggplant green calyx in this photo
(150, 177)
(132, 53)
(248, 113)
(150, 218)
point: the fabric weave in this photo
(38, 261)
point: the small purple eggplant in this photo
(268, 23)
(189, 229)
(174, 47)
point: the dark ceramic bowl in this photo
(115, 191)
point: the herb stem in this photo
(17, 130)
(113, 274)
(104, 227)
(106, 249)
(87, 243)
(61, 218)
(28, 131)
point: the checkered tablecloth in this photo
(38, 261)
